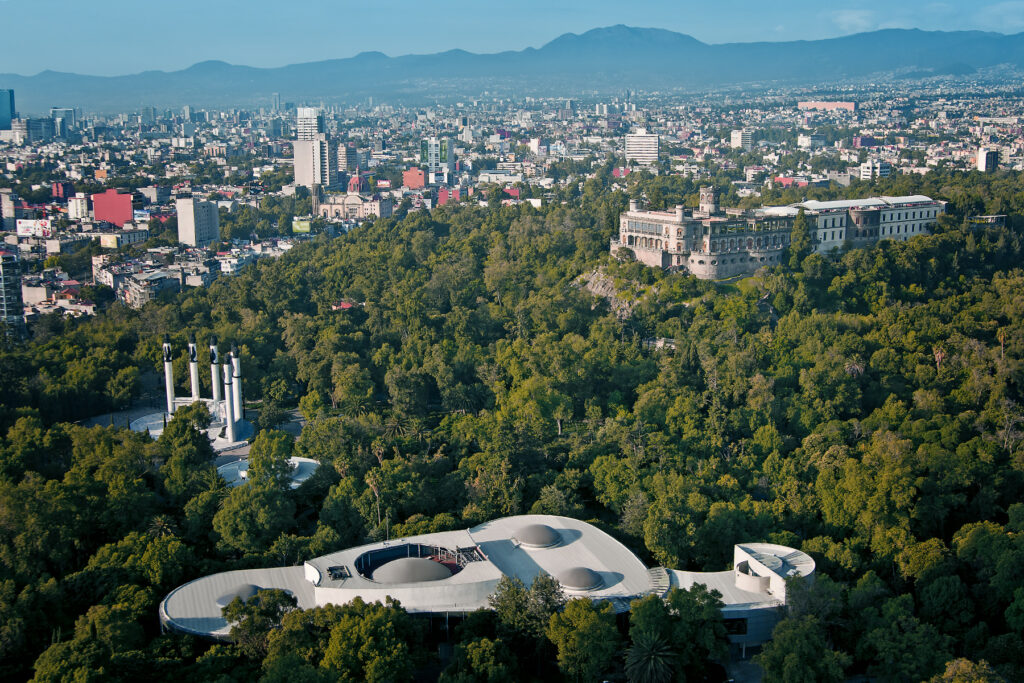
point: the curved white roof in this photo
(457, 571)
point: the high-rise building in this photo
(198, 221)
(438, 155)
(7, 110)
(275, 101)
(64, 119)
(642, 147)
(742, 139)
(40, 130)
(78, 206)
(8, 210)
(12, 311)
(309, 122)
(988, 159)
(316, 162)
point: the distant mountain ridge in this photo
(602, 60)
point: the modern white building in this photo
(873, 168)
(810, 141)
(988, 159)
(454, 573)
(438, 155)
(309, 122)
(316, 162)
(78, 206)
(642, 147)
(198, 221)
(742, 139)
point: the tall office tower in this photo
(147, 116)
(309, 122)
(742, 139)
(988, 159)
(7, 110)
(316, 162)
(276, 101)
(12, 312)
(64, 120)
(642, 147)
(198, 221)
(438, 155)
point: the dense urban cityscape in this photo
(691, 383)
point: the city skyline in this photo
(263, 37)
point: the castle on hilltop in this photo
(713, 244)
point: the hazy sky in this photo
(127, 36)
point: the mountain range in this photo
(601, 60)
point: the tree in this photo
(481, 659)
(524, 610)
(799, 653)
(187, 452)
(801, 241)
(373, 642)
(688, 622)
(268, 459)
(965, 671)
(253, 619)
(586, 638)
(253, 516)
(650, 659)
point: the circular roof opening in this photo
(580, 579)
(538, 536)
(411, 570)
(244, 591)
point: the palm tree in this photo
(161, 526)
(650, 660)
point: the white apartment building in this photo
(78, 206)
(810, 141)
(438, 155)
(873, 168)
(316, 162)
(198, 221)
(742, 139)
(642, 147)
(309, 122)
(988, 159)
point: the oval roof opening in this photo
(538, 536)
(411, 570)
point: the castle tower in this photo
(708, 200)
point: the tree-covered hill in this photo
(865, 407)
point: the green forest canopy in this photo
(864, 408)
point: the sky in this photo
(107, 37)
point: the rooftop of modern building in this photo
(457, 571)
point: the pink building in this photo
(113, 207)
